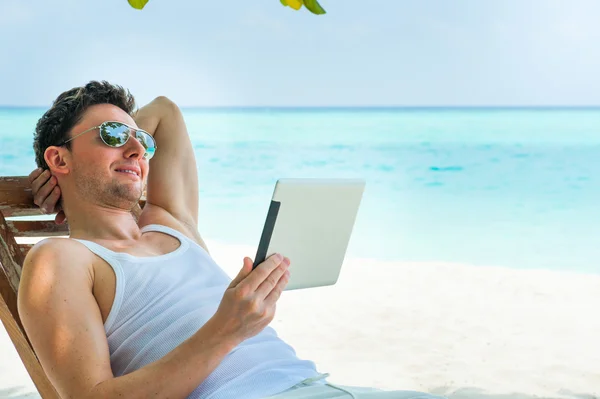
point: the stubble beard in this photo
(95, 188)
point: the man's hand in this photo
(46, 193)
(248, 304)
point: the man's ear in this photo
(58, 160)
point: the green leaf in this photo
(137, 4)
(283, 2)
(295, 4)
(314, 7)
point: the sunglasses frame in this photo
(99, 127)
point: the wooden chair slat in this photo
(8, 212)
(11, 258)
(27, 355)
(16, 198)
(37, 228)
(11, 261)
(25, 249)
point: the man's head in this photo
(86, 168)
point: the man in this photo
(135, 307)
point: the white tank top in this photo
(161, 301)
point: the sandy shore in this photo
(458, 330)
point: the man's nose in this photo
(133, 148)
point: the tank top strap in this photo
(167, 230)
(99, 250)
(116, 257)
(111, 258)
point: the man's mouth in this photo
(129, 171)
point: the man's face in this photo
(98, 171)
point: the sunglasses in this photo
(116, 134)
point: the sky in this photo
(361, 53)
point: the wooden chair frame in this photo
(16, 200)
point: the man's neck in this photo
(95, 222)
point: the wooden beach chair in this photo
(16, 201)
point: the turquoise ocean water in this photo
(510, 187)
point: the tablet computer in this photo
(310, 221)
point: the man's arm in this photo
(173, 178)
(64, 324)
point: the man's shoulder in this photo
(54, 262)
(54, 256)
(56, 247)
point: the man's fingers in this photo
(38, 182)
(263, 271)
(60, 217)
(246, 269)
(50, 202)
(34, 174)
(272, 280)
(273, 297)
(46, 194)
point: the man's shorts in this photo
(313, 388)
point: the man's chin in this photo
(127, 197)
(135, 199)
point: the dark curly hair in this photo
(68, 109)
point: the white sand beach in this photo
(458, 330)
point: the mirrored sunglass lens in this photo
(114, 134)
(150, 152)
(148, 143)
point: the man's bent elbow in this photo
(166, 103)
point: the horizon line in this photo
(357, 107)
(365, 107)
